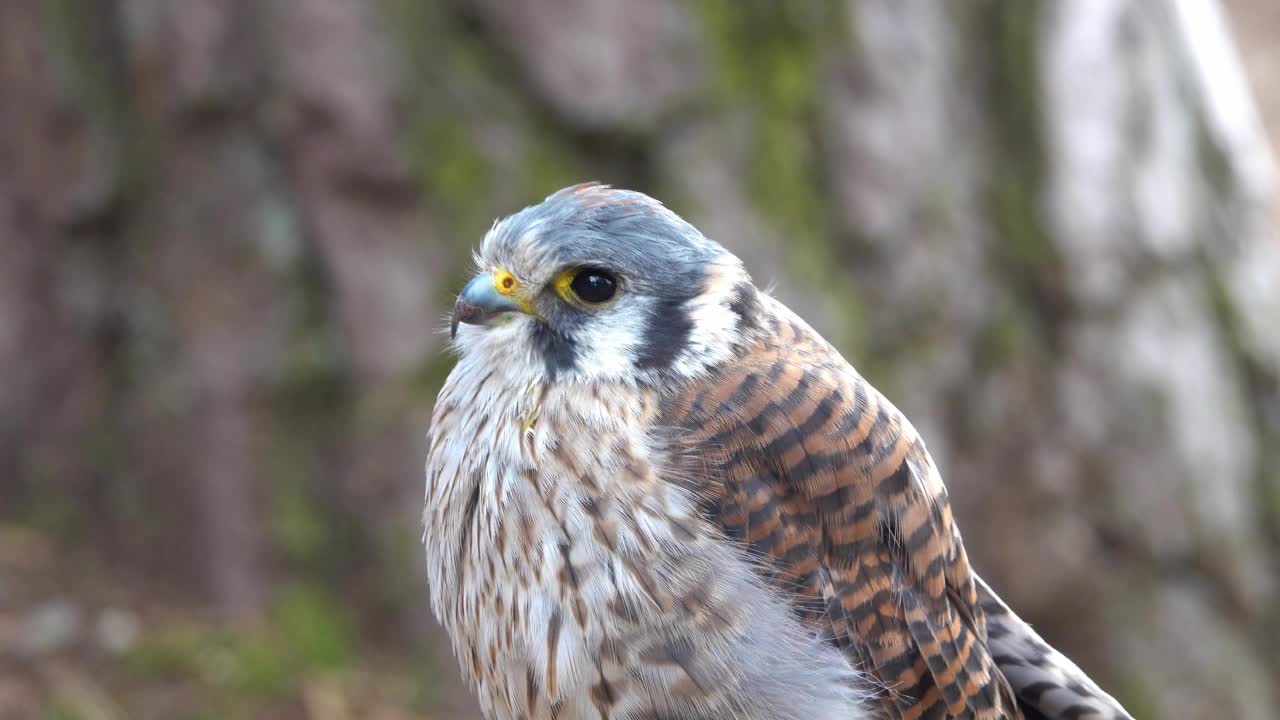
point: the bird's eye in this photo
(594, 286)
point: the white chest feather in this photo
(576, 583)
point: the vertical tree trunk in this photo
(342, 89)
(1087, 269)
(211, 322)
(59, 315)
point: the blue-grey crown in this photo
(627, 231)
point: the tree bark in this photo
(1088, 270)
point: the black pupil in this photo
(594, 286)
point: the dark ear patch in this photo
(556, 350)
(746, 306)
(666, 334)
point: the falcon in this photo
(653, 491)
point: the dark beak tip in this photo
(478, 303)
(454, 320)
(465, 312)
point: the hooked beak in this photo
(480, 302)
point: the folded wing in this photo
(812, 469)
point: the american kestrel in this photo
(653, 491)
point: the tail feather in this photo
(1044, 680)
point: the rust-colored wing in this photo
(811, 468)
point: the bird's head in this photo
(598, 283)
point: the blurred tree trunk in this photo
(59, 305)
(201, 229)
(166, 172)
(218, 289)
(1066, 203)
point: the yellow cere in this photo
(507, 284)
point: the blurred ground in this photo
(82, 642)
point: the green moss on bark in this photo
(1261, 390)
(769, 60)
(1023, 249)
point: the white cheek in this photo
(607, 345)
(710, 342)
(503, 345)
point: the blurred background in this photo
(230, 230)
